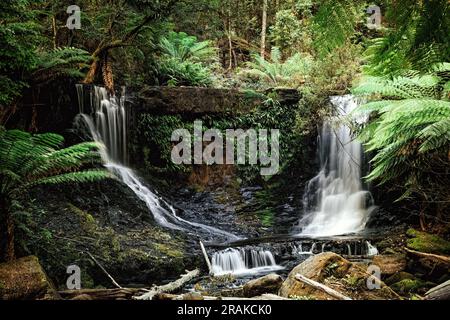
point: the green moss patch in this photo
(425, 242)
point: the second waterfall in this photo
(335, 201)
(106, 124)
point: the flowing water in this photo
(107, 125)
(335, 199)
(335, 202)
(241, 262)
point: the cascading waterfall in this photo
(335, 202)
(371, 250)
(107, 126)
(240, 262)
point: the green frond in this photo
(27, 159)
(73, 177)
(409, 125)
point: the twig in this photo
(103, 269)
(205, 254)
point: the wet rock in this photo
(270, 283)
(24, 279)
(390, 263)
(115, 227)
(337, 273)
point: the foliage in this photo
(182, 47)
(286, 33)
(418, 37)
(27, 160)
(183, 59)
(60, 62)
(175, 73)
(19, 34)
(410, 133)
(335, 23)
(276, 73)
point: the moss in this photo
(87, 221)
(408, 286)
(266, 217)
(425, 242)
(397, 277)
(168, 250)
(354, 281)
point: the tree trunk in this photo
(6, 231)
(263, 29)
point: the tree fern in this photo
(335, 23)
(276, 73)
(409, 130)
(27, 159)
(61, 62)
(183, 47)
(417, 37)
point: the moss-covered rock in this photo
(408, 286)
(108, 221)
(337, 273)
(425, 242)
(398, 277)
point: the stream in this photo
(336, 205)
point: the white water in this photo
(335, 202)
(243, 262)
(299, 249)
(371, 250)
(107, 126)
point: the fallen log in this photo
(170, 287)
(102, 294)
(322, 287)
(440, 292)
(435, 257)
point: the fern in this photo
(335, 23)
(61, 62)
(409, 130)
(182, 47)
(418, 38)
(277, 73)
(27, 160)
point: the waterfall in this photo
(241, 262)
(107, 125)
(371, 250)
(335, 202)
(299, 249)
(349, 250)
